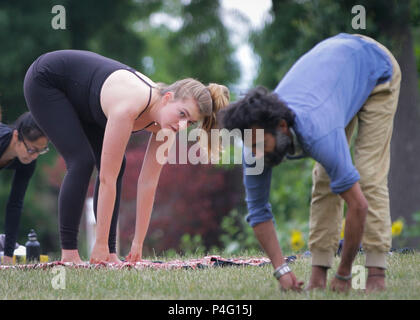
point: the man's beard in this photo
(282, 146)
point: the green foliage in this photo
(27, 33)
(290, 194)
(415, 12)
(204, 41)
(410, 232)
(199, 48)
(416, 37)
(238, 235)
(296, 26)
(192, 244)
(413, 230)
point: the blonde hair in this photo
(210, 100)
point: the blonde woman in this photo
(89, 105)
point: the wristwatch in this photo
(282, 270)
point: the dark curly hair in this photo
(259, 108)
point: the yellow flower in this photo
(396, 228)
(343, 224)
(296, 240)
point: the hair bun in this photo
(220, 96)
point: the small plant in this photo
(403, 233)
(239, 236)
(192, 244)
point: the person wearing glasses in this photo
(20, 146)
(89, 105)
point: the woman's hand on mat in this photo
(289, 282)
(135, 253)
(100, 253)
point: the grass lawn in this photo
(229, 283)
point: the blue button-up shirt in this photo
(325, 89)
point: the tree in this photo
(199, 47)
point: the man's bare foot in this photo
(375, 280)
(113, 258)
(71, 256)
(318, 278)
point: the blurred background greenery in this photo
(169, 40)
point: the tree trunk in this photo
(404, 176)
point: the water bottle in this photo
(33, 248)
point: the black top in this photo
(80, 75)
(23, 173)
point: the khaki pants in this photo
(371, 158)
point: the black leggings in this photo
(80, 144)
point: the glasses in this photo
(33, 150)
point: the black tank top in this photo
(80, 75)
